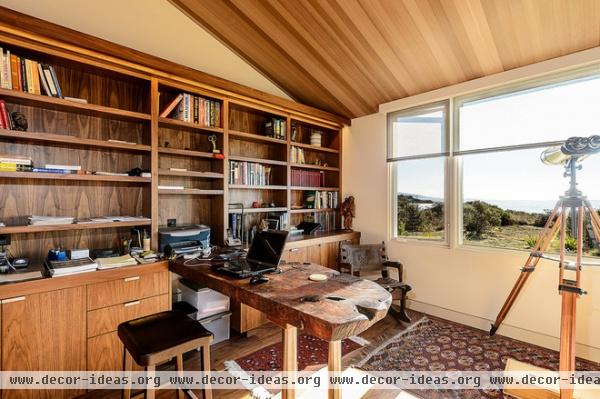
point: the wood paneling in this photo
(349, 56)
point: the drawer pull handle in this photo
(294, 250)
(132, 303)
(128, 279)
(15, 299)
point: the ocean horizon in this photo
(531, 206)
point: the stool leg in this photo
(206, 369)
(127, 366)
(150, 372)
(180, 391)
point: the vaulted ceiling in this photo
(349, 56)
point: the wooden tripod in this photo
(579, 208)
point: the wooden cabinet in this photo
(294, 255)
(113, 302)
(44, 331)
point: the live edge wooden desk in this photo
(346, 305)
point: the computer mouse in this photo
(258, 280)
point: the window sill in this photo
(420, 242)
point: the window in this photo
(492, 152)
(417, 152)
(507, 191)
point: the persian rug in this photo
(436, 344)
(311, 351)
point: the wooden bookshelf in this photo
(124, 101)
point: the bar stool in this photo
(156, 338)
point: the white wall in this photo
(155, 27)
(468, 285)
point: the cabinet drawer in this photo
(127, 289)
(102, 321)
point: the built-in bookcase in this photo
(118, 127)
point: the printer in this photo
(183, 239)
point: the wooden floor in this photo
(263, 336)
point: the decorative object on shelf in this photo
(19, 121)
(348, 212)
(167, 144)
(315, 138)
(294, 132)
(213, 140)
(255, 204)
(135, 172)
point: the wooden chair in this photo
(362, 259)
(154, 339)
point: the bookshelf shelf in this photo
(259, 210)
(70, 141)
(313, 210)
(67, 227)
(75, 177)
(189, 173)
(314, 147)
(60, 104)
(257, 160)
(186, 153)
(249, 187)
(317, 167)
(299, 188)
(255, 137)
(188, 125)
(190, 191)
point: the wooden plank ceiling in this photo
(348, 56)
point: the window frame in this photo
(453, 173)
(445, 105)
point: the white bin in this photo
(207, 301)
(218, 325)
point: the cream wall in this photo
(153, 26)
(464, 284)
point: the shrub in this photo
(479, 218)
(531, 241)
(570, 243)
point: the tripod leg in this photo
(542, 244)
(567, 340)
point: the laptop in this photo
(263, 256)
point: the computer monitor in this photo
(267, 247)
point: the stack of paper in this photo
(111, 263)
(64, 268)
(49, 220)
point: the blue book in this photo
(47, 170)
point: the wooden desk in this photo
(348, 305)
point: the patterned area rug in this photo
(435, 344)
(311, 351)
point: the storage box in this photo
(218, 325)
(207, 301)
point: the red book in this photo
(3, 116)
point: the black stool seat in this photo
(147, 337)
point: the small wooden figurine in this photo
(348, 212)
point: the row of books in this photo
(237, 222)
(22, 74)
(320, 199)
(275, 128)
(327, 220)
(307, 178)
(297, 155)
(194, 109)
(250, 173)
(16, 163)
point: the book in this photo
(111, 263)
(167, 111)
(162, 187)
(55, 79)
(64, 167)
(14, 72)
(48, 170)
(23, 74)
(35, 78)
(29, 76)
(29, 273)
(43, 80)
(49, 220)
(49, 80)
(76, 99)
(66, 267)
(19, 160)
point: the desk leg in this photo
(290, 358)
(335, 367)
